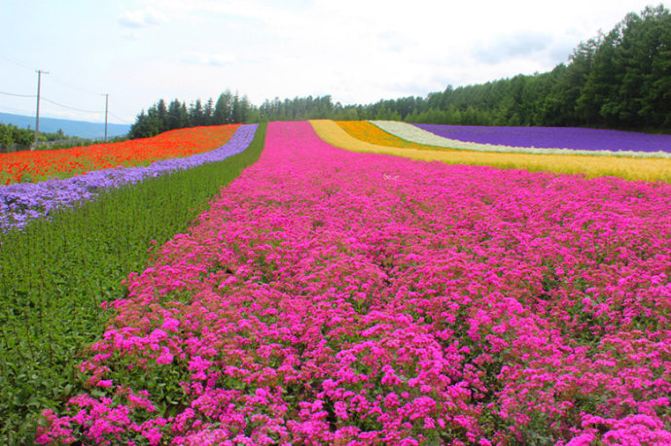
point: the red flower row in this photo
(36, 166)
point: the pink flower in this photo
(165, 357)
(170, 324)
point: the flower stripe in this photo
(419, 135)
(23, 202)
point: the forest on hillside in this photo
(619, 79)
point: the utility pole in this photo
(107, 97)
(37, 113)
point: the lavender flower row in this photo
(554, 137)
(23, 202)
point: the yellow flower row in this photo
(362, 136)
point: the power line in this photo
(16, 62)
(53, 78)
(13, 110)
(17, 95)
(6, 93)
(51, 101)
(119, 118)
(69, 107)
(73, 87)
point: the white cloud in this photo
(517, 45)
(209, 59)
(130, 34)
(141, 18)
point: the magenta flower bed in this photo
(554, 137)
(330, 297)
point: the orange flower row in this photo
(29, 166)
(368, 132)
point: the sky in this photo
(358, 51)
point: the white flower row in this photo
(418, 135)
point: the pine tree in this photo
(208, 112)
(235, 109)
(175, 120)
(196, 115)
(162, 116)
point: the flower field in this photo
(27, 166)
(334, 297)
(377, 141)
(23, 202)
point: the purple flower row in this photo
(23, 202)
(554, 137)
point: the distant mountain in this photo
(83, 129)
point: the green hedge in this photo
(54, 275)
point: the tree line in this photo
(13, 138)
(619, 79)
(160, 117)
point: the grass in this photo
(55, 274)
